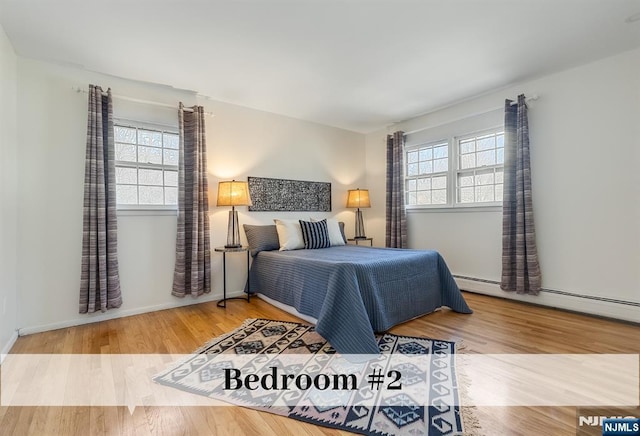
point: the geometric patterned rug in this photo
(418, 395)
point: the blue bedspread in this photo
(355, 291)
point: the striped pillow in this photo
(315, 234)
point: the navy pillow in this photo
(315, 234)
(261, 238)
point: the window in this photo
(146, 167)
(426, 174)
(457, 172)
(480, 168)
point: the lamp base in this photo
(359, 225)
(233, 231)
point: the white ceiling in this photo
(355, 64)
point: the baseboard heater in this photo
(557, 292)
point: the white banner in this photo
(330, 380)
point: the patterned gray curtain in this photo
(520, 268)
(99, 280)
(192, 274)
(396, 217)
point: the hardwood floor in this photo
(496, 327)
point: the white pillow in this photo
(333, 228)
(289, 234)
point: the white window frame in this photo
(431, 175)
(146, 209)
(458, 170)
(452, 174)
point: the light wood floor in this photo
(497, 326)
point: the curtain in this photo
(520, 268)
(99, 280)
(192, 274)
(396, 217)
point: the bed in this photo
(354, 291)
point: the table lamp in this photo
(233, 194)
(358, 198)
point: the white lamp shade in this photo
(358, 198)
(233, 193)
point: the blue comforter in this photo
(355, 291)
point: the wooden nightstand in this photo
(357, 241)
(224, 251)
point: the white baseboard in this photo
(572, 302)
(7, 347)
(186, 301)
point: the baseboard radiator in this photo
(575, 302)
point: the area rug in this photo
(418, 399)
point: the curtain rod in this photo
(137, 100)
(527, 99)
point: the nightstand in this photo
(224, 251)
(357, 241)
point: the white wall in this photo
(585, 131)
(8, 193)
(241, 142)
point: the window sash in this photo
(484, 180)
(422, 186)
